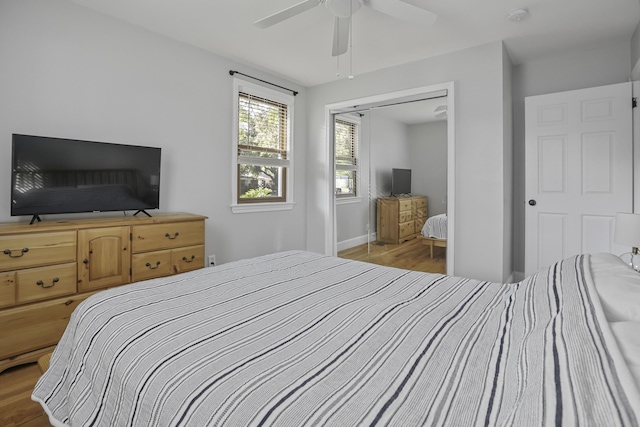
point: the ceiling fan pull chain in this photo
(350, 40)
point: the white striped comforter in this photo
(436, 227)
(299, 339)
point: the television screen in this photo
(400, 182)
(54, 175)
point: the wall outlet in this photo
(212, 260)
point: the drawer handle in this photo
(53, 283)
(11, 255)
(168, 236)
(184, 258)
(153, 268)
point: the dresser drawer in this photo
(404, 205)
(187, 259)
(150, 265)
(7, 289)
(167, 236)
(420, 202)
(36, 284)
(37, 249)
(421, 212)
(406, 229)
(405, 216)
(35, 326)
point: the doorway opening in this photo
(373, 182)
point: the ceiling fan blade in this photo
(403, 11)
(286, 13)
(340, 36)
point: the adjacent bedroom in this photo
(391, 183)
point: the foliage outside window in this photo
(263, 152)
(346, 138)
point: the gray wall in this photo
(428, 147)
(73, 73)
(635, 53)
(389, 149)
(576, 70)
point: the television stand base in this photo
(143, 211)
(35, 217)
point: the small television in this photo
(57, 176)
(400, 182)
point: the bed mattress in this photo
(297, 338)
(435, 227)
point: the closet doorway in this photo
(393, 131)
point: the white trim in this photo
(635, 92)
(283, 98)
(352, 243)
(348, 200)
(376, 100)
(262, 207)
(516, 276)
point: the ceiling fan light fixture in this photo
(517, 15)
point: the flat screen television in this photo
(57, 176)
(400, 182)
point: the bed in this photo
(434, 232)
(296, 338)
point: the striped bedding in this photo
(436, 227)
(300, 339)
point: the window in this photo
(262, 148)
(346, 152)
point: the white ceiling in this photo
(299, 49)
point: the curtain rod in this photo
(232, 72)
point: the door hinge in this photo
(634, 102)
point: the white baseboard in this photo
(356, 241)
(516, 276)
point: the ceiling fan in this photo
(344, 9)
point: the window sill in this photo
(348, 200)
(262, 207)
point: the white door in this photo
(579, 172)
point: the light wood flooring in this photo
(16, 384)
(16, 406)
(411, 255)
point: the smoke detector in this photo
(517, 14)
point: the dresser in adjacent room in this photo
(400, 218)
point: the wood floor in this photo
(16, 406)
(411, 255)
(16, 384)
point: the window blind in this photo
(262, 131)
(345, 139)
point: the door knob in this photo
(532, 202)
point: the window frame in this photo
(257, 205)
(356, 122)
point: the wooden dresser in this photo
(400, 218)
(48, 268)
